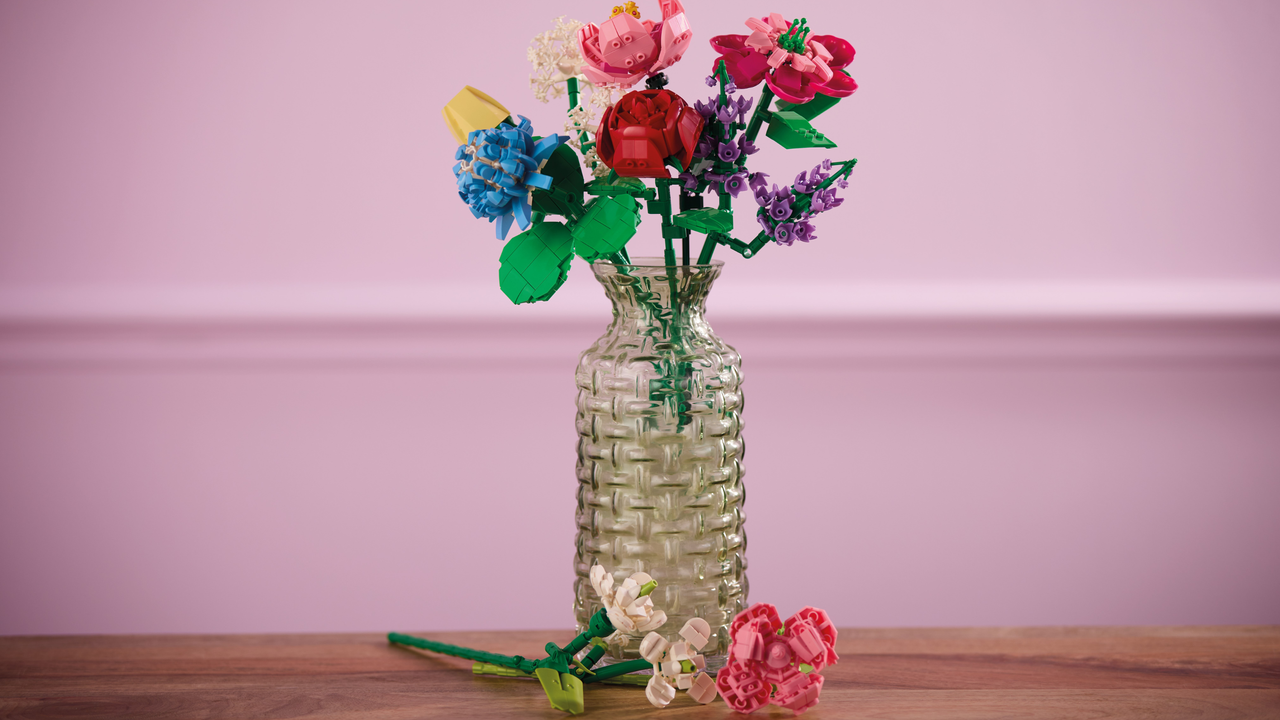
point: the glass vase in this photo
(660, 453)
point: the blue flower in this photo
(497, 172)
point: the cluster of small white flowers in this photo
(584, 119)
(628, 609)
(677, 665)
(556, 58)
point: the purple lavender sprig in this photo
(785, 213)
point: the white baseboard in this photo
(784, 323)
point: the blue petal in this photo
(502, 225)
(547, 145)
(538, 180)
(523, 213)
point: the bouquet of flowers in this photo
(507, 174)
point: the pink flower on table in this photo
(624, 49)
(760, 659)
(796, 66)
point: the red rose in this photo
(645, 128)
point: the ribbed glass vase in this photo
(660, 453)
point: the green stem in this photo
(572, 84)
(761, 114)
(617, 669)
(506, 661)
(708, 248)
(722, 72)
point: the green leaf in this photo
(565, 170)
(535, 263)
(790, 130)
(615, 185)
(705, 220)
(554, 202)
(609, 223)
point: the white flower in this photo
(628, 605)
(678, 665)
(556, 57)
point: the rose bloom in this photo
(643, 129)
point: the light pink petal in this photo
(778, 22)
(778, 57)
(758, 25)
(822, 71)
(820, 51)
(802, 63)
(760, 42)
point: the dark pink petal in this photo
(790, 85)
(840, 49)
(840, 85)
(730, 44)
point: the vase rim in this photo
(657, 262)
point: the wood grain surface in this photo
(1178, 672)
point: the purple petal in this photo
(764, 223)
(780, 210)
(784, 234)
(728, 151)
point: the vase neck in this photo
(651, 293)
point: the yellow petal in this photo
(472, 110)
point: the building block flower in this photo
(761, 659)
(678, 665)
(628, 605)
(643, 129)
(795, 65)
(471, 110)
(497, 172)
(785, 213)
(624, 49)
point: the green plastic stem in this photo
(572, 84)
(722, 73)
(708, 248)
(507, 661)
(761, 114)
(615, 670)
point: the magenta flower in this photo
(761, 659)
(796, 66)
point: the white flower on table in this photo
(628, 605)
(678, 665)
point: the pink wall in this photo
(251, 348)
(300, 142)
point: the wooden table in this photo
(1180, 672)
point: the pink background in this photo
(255, 373)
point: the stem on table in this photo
(617, 669)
